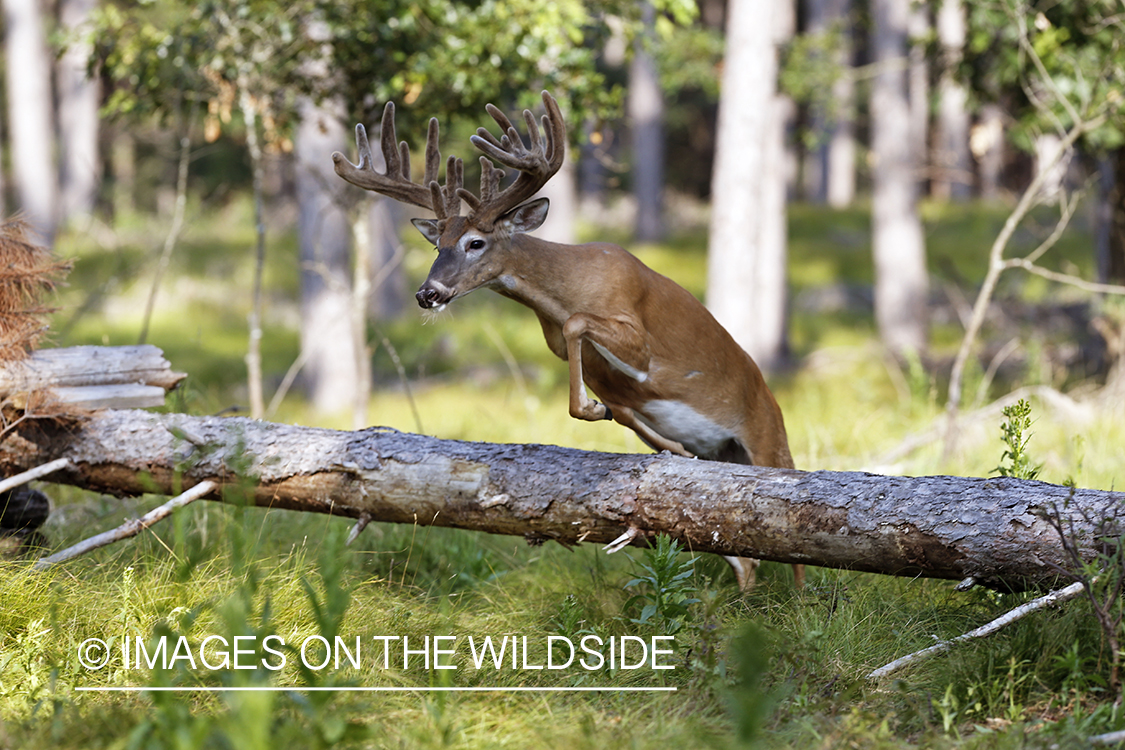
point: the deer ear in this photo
(429, 229)
(527, 217)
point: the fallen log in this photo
(988, 530)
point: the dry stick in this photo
(405, 382)
(1110, 738)
(1055, 597)
(30, 474)
(130, 528)
(996, 265)
(286, 383)
(916, 441)
(173, 233)
(1065, 278)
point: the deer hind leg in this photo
(745, 570)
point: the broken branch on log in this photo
(940, 527)
(31, 474)
(130, 528)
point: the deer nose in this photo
(427, 297)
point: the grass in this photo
(776, 668)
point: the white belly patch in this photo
(680, 422)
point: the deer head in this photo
(473, 250)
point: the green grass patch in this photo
(775, 668)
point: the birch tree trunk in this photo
(990, 530)
(30, 120)
(918, 30)
(324, 233)
(953, 177)
(646, 114)
(79, 98)
(746, 255)
(901, 280)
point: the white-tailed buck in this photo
(660, 363)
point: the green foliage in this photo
(665, 587)
(1050, 61)
(437, 58)
(749, 699)
(811, 64)
(1016, 436)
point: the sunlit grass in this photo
(481, 372)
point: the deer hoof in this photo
(608, 416)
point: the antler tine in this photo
(396, 182)
(536, 163)
(555, 128)
(501, 120)
(433, 155)
(404, 157)
(437, 199)
(447, 200)
(468, 197)
(532, 130)
(388, 142)
(362, 147)
(454, 183)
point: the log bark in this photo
(989, 530)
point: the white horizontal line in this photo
(302, 689)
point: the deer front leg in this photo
(624, 349)
(581, 405)
(619, 343)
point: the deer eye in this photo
(476, 244)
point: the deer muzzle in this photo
(433, 295)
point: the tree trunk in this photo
(830, 173)
(123, 165)
(30, 115)
(324, 234)
(388, 280)
(562, 192)
(746, 283)
(901, 281)
(79, 98)
(953, 175)
(646, 115)
(987, 144)
(918, 30)
(1047, 147)
(942, 527)
(1111, 219)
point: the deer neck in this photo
(540, 275)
